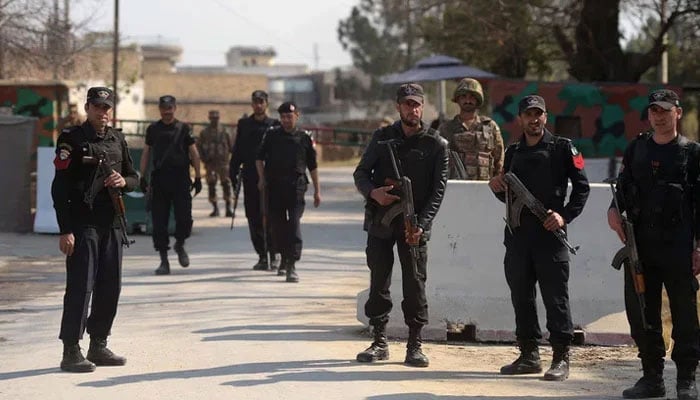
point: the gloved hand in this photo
(197, 185)
(143, 184)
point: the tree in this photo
(588, 33)
(36, 40)
(502, 37)
(381, 38)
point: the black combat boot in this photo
(73, 360)
(527, 363)
(229, 210)
(261, 265)
(379, 349)
(283, 267)
(292, 273)
(685, 384)
(215, 211)
(414, 354)
(274, 261)
(651, 383)
(164, 268)
(182, 256)
(559, 370)
(99, 354)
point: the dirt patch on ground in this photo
(24, 279)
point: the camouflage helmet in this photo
(471, 86)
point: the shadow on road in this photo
(286, 333)
(429, 396)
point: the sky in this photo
(206, 29)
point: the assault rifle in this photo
(403, 183)
(265, 211)
(236, 193)
(523, 198)
(104, 169)
(630, 256)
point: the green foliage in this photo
(502, 37)
(375, 38)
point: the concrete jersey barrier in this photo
(466, 281)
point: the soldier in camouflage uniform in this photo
(476, 144)
(214, 148)
(72, 119)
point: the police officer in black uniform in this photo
(658, 190)
(90, 233)
(423, 157)
(544, 163)
(249, 135)
(284, 155)
(174, 149)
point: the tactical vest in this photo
(215, 145)
(474, 145)
(660, 201)
(543, 172)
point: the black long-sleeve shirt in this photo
(287, 155)
(548, 182)
(74, 177)
(646, 165)
(249, 136)
(424, 159)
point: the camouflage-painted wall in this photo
(610, 114)
(43, 101)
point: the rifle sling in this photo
(171, 146)
(393, 211)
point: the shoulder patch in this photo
(577, 158)
(63, 156)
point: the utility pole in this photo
(663, 63)
(317, 58)
(115, 60)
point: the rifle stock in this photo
(629, 255)
(525, 198)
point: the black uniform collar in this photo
(175, 121)
(398, 127)
(266, 121)
(92, 134)
(547, 138)
(292, 133)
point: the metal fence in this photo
(135, 131)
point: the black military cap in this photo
(167, 101)
(410, 91)
(259, 95)
(100, 95)
(287, 107)
(664, 98)
(531, 101)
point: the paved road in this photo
(219, 330)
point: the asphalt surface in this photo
(219, 330)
